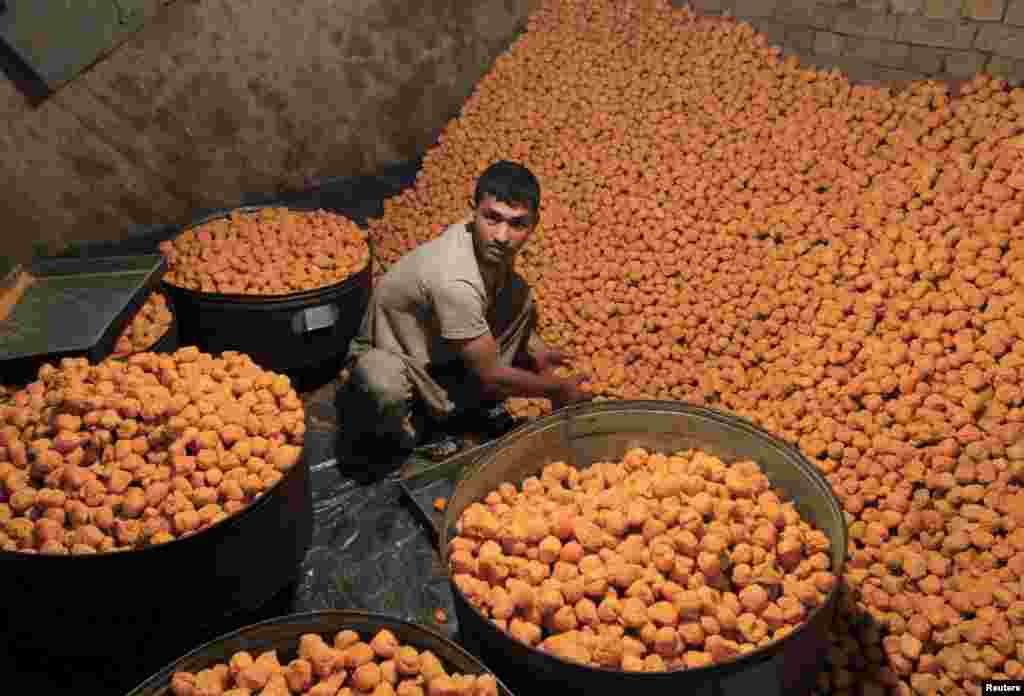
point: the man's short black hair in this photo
(509, 183)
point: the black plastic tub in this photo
(605, 431)
(283, 635)
(104, 605)
(281, 333)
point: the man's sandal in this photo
(497, 422)
(441, 448)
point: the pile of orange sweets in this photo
(842, 264)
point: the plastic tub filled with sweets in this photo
(327, 652)
(648, 547)
(287, 286)
(146, 497)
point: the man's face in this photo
(500, 231)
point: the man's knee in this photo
(382, 376)
(378, 399)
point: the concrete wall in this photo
(217, 98)
(892, 40)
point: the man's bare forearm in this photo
(505, 382)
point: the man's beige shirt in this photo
(433, 294)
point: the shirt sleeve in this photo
(460, 310)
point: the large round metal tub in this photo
(582, 435)
(283, 635)
(281, 333)
(129, 601)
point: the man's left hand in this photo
(546, 360)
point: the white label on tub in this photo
(316, 318)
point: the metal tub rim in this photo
(340, 619)
(564, 418)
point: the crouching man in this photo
(449, 330)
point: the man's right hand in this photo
(501, 382)
(570, 393)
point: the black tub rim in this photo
(222, 526)
(748, 660)
(343, 617)
(196, 296)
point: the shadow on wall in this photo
(211, 102)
